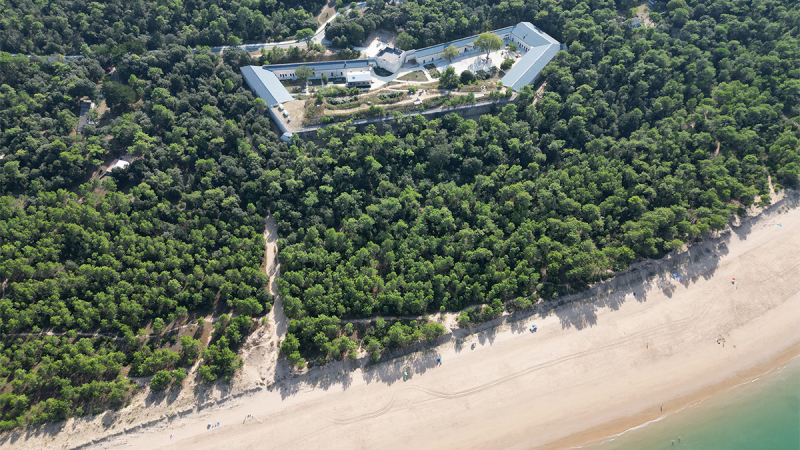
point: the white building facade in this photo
(331, 69)
(537, 48)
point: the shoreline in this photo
(598, 366)
(603, 433)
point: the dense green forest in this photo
(425, 23)
(132, 256)
(643, 141)
(118, 26)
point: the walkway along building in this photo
(536, 46)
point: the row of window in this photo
(466, 49)
(520, 45)
(313, 74)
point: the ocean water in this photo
(763, 413)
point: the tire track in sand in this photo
(669, 329)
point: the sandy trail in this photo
(594, 368)
(273, 269)
(260, 352)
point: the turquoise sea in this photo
(763, 413)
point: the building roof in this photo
(390, 54)
(266, 85)
(83, 120)
(118, 164)
(325, 65)
(530, 35)
(356, 77)
(432, 50)
(543, 49)
(390, 50)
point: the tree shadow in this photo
(209, 394)
(676, 270)
(487, 336)
(517, 323)
(392, 371)
(578, 315)
(158, 397)
(288, 381)
(48, 429)
(643, 277)
(458, 345)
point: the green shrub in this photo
(390, 95)
(341, 101)
(521, 303)
(375, 111)
(433, 330)
(454, 100)
(160, 380)
(179, 374)
(338, 91)
(466, 77)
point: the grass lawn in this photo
(413, 76)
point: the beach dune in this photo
(594, 367)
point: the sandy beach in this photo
(595, 367)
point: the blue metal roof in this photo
(532, 36)
(543, 49)
(266, 85)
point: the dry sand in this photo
(594, 368)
